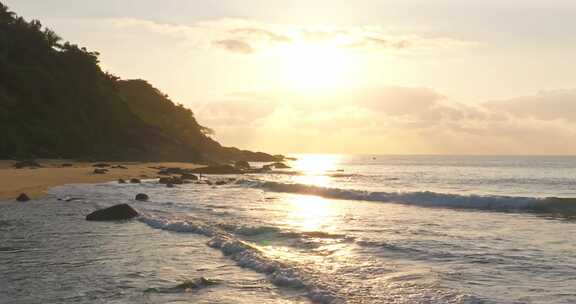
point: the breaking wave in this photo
(427, 198)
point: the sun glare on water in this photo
(315, 168)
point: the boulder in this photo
(23, 197)
(141, 197)
(220, 183)
(100, 171)
(170, 171)
(171, 180)
(242, 164)
(119, 167)
(101, 165)
(218, 169)
(188, 176)
(114, 213)
(169, 185)
(121, 181)
(26, 163)
(135, 181)
(164, 180)
(280, 166)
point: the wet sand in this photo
(35, 181)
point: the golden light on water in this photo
(315, 168)
(310, 213)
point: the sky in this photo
(363, 76)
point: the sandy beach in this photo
(35, 181)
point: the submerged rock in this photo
(186, 286)
(171, 180)
(23, 197)
(142, 197)
(218, 169)
(188, 176)
(242, 164)
(114, 213)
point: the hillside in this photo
(55, 101)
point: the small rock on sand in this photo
(26, 163)
(23, 197)
(100, 171)
(135, 181)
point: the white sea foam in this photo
(246, 255)
(422, 198)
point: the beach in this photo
(36, 181)
(329, 229)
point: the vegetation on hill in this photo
(55, 101)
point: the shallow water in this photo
(265, 238)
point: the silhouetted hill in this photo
(55, 101)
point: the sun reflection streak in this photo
(314, 168)
(310, 213)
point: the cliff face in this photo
(55, 101)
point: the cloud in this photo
(399, 120)
(545, 105)
(261, 33)
(236, 46)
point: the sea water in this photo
(331, 229)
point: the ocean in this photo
(331, 229)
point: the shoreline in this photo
(36, 181)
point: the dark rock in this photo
(220, 183)
(280, 166)
(220, 169)
(101, 165)
(65, 165)
(142, 197)
(26, 163)
(171, 180)
(119, 167)
(100, 171)
(169, 185)
(266, 167)
(242, 164)
(186, 286)
(208, 182)
(114, 213)
(164, 180)
(196, 283)
(23, 197)
(188, 176)
(135, 181)
(121, 181)
(170, 171)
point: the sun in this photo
(310, 66)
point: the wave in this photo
(427, 198)
(249, 256)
